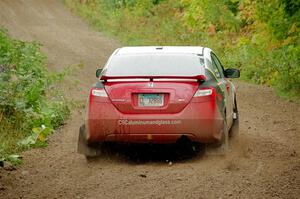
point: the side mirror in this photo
(98, 72)
(232, 73)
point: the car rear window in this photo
(155, 65)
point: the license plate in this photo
(151, 99)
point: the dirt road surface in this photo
(263, 163)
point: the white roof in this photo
(160, 49)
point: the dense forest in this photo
(261, 38)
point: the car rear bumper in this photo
(199, 121)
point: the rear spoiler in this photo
(200, 78)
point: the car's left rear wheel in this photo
(90, 150)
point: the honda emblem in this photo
(151, 84)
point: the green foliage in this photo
(260, 37)
(13, 158)
(27, 101)
(37, 138)
(282, 16)
(200, 14)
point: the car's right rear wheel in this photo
(221, 147)
(224, 143)
(234, 130)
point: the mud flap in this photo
(225, 140)
(222, 147)
(234, 130)
(83, 147)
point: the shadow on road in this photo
(143, 153)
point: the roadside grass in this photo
(31, 105)
(240, 32)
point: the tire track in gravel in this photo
(263, 163)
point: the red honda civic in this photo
(160, 95)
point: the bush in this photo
(26, 100)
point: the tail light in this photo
(203, 92)
(99, 93)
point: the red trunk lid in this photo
(176, 95)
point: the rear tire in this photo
(89, 150)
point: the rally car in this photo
(160, 95)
